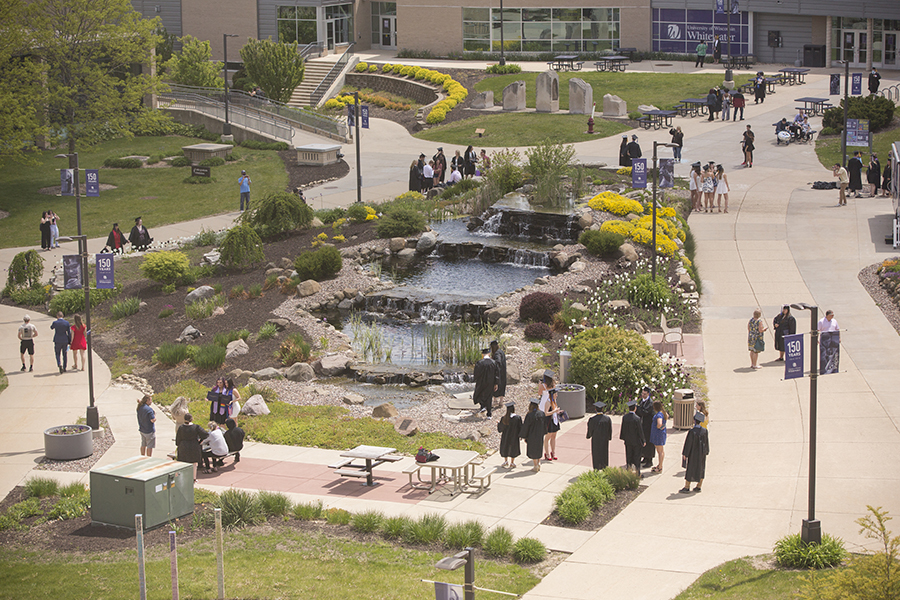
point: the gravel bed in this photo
(869, 279)
(82, 465)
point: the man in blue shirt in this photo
(61, 340)
(146, 417)
(245, 189)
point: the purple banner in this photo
(829, 352)
(66, 179)
(92, 182)
(834, 85)
(351, 115)
(72, 271)
(666, 172)
(793, 356)
(639, 173)
(677, 30)
(364, 116)
(856, 84)
(105, 271)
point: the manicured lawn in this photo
(156, 194)
(520, 129)
(283, 564)
(829, 149)
(740, 580)
(4, 382)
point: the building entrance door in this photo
(854, 47)
(388, 32)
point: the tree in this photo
(277, 68)
(192, 66)
(93, 51)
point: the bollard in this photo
(142, 577)
(220, 558)
(173, 558)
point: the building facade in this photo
(775, 31)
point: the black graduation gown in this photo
(599, 431)
(500, 358)
(509, 436)
(442, 159)
(696, 447)
(139, 238)
(624, 160)
(873, 174)
(486, 377)
(415, 183)
(854, 167)
(187, 442)
(634, 151)
(645, 412)
(533, 429)
(784, 325)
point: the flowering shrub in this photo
(615, 204)
(409, 197)
(665, 246)
(437, 115)
(667, 212)
(371, 215)
(623, 228)
(624, 171)
(539, 307)
(641, 235)
(386, 68)
(339, 238)
(362, 67)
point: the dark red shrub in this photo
(538, 331)
(539, 307)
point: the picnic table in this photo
(739, 61)
(815, 106)
(565, 62)
(453, 466)
(794, 75)
(372, 455)
(770, 82)
(611, 63)
(696, 106)
(660, 118)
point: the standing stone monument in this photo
(483, 100)
(547, 92)
(514, 96)
(581, 97)
(613, 106)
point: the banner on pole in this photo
(858, 132)
(829, 352)
(351, 115)
(666, 172)
(720, 7)
(856, 84)
(793, 356)
(834, 85)
(364, 116)
(66, 179)
(72, 271)
(447, 591)
(105, 270)
(639, 173)
(92, 182)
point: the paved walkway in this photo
(780, 242)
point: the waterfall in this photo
(528, 258)
(492, 225)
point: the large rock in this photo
(308, 288)
(512, 374)
(585, 220)
(236, 348)
(547, 92)
(345, 305)
(280, 324)
(405, 426)
(316, 222)
(581, 97)
(332, 365)
(628, 252)
(189, 334)
(514, 96)
(241, 377)
(255, 406)
(274, 272)
(483, 100)
(286, 263)
(561, 260)
(201, 293)
(385, 411)
(618, 305)
(406, 254)
(499, 312)
(397, 244)
(536, 376)
(299, 372)
(577, 267)
(267, 373)
(352, 399)
(613, 106)
(426, 243)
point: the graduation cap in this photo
(646, 388)
(510, 405)
(136, 219)
(697, 164)
(600, 405)
(495, 343)
(631, 404)
(485, 350)
(548, 373)
(699, 417)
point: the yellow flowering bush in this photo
(386, 68)
(322, 236)
(624, 171)
(371, 215)
(641, 235)
(362, 67)
(687, 262)
(669, 228)
(664, 245)
(667, 212)
(623, 228)
(615, 203)
(437, 114)
(339, 238)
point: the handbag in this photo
(759, 346)
(562, 416)
(422, 455)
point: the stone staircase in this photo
(316, 70)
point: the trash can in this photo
(813, 55)
(564, 357)
(570, 398)
(683, 407)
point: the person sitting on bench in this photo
(215, 448)
(234, 438)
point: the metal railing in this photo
(308, 49)
(305, 118)
(242, 116)
(891, 93)
(336, 70)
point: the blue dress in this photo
(658, 436)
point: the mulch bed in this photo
(602, 515)
(870, 280)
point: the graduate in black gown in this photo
(533, 429)
(599, 431)
(487, 380)
(624, 159)
(645, 412)
(500, 358)
(633, 435)
(509, 427)
(785, 324)
(696, 447)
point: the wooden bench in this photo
(483, 477)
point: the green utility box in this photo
(158, 488)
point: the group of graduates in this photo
(538, 428)
(628, 150)
(426, 174)
(139, 238)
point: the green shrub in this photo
(237, 291)
(72, 490)
(72, 301)
(601, 243)
(538, 331)
(241, 247)
(203, 496)
(278, 213)
(877, 109)
(256, 145)
(622, 479)
(293, 350)
(643, 291)
(392, 528)
(357, 212)
(233, 156)
(165, 267)
(207, 237)
(125, 308)
(529, 550)
(428, 529)
(28, 296)
(367, 522)
(337, 516)
(181, 161)
(123, 163)
(165, 313)
(594, 488)
(267, 332)
(70, 507)
(498, 542)
(240, 509)
(309, 511)
(209, 357)
(198, 180)
(318, 264)
(400, 222)
(217, 288)
(170, 354)
(330, 215)
(225, 338)
(41, 487)
(203, 309)
(572, 507)
(464, 535)
(26, 270)
(460, 188)
(793, 553)
(829, 131)
(506, 174)
(215, 161)
(255, 290)
(274, 504)
(539, 307)
(597, 363)
(507, 69)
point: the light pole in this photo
(655, 185)
(502, 56)
(465, 558)
(93, 417)
(811, 532)
(226, 128)
(846, 107)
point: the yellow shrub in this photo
(623, 228)
(616, 204)
(666, 212)
(361, 67)
(386, 67)
(665, 246)
(624, 171)
(641, 235)
(339, 238)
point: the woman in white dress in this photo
(722, 188)
(550, 409)
(696, 201)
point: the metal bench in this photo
(483, 478)
(672, 334)
(361, 474)
(411, 470)
(645, 122)
(341, 464)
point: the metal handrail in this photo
(891, 92)
(308, 49)
(336, 70)
(261, 120)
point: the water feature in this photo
(514, 215)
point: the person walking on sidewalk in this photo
(694, 452)
(785, 324)
(146, 418)
(61, 340)
(244, 182)
(755, 338)
(678, 140)
(499, 357)
(737, 101)
(510, 428)
(748, 147)
(599, 431)
(79, 342)
(844, 179)
(27, 333)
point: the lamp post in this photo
(811, 532)
(655, 185)
(846, 107)
(92, 417)
(465, 558)
(502, 56)
(226, 128)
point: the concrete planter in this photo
(68, 442)
(570, 397)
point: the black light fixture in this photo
(465, 558)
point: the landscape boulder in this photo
(512, 374)
(332, 365)
(397, 244)
(236, 348)
(514, 96)
(189, 334)
(426, 242)
(483, 100)
(406, 254)
(405, 426)
(585, 220)
(613, 106)
(499, 312)
(308, 288)
(280, 324)
(618, 305)
(352, 399)
(255, 406)
(267, 373)
(581, 97)
(577, 267)
(299, 372)
(547, 92)
(201, 293)
(628, 252)
(385, 411)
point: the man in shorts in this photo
(27, 333)
(244, 182)
(146, 425)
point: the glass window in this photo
(476, 45)
(535, 14)
(287, 12)
(566, 31)
(478, 31)
(287, 31)
(307, 13)
(376, 29)
(384, 8)
(511, 31)
(307, 32)
(536, 46)
(566, 14)
(536, 31)
(476, 14)
(509, 14)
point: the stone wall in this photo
(190, 117)
(418, 92)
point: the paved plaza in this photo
(781, 242)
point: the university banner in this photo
(793, 356)
(66, 179)
(666, 172)
(72, 271)
(92, 182)
(105, 271)
(364, 116)
(639, 173)
(351, 115)
(856, 84)
(829, 352)
(834, 86)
